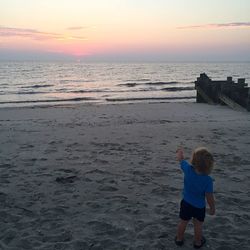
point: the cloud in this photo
(35, 34)
(218, 25)
(7, 54)
(76, 28)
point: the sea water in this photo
(39, 83)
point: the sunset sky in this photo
(150, 30)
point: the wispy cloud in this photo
(76, 28)
(217, 25)
(35, 34)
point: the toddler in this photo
(198, 185)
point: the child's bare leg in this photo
(197, 231)
(181, 230)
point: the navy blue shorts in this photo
(187, 212)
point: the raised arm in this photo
(211, 203)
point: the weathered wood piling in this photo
(227, 92)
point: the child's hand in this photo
(211, 203)
(179, 154)
(212, 211)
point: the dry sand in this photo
(105, 177)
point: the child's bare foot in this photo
(178, 242)
(203, 241)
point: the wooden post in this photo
(199, 99)
(241, 81)
(201, 86)
(248, 100)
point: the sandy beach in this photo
(105, 176)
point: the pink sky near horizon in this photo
(85, 29)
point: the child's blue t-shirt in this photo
(195, 185)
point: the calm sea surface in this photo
(38, 83)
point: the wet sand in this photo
(105, 177)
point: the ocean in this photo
(43, 83)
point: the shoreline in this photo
(105, 176)
(93, 101)
(115, 102)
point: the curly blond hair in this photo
(202, 160)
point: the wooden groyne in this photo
(234, 94)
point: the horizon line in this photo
(125, 61)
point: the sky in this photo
(125, 30)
